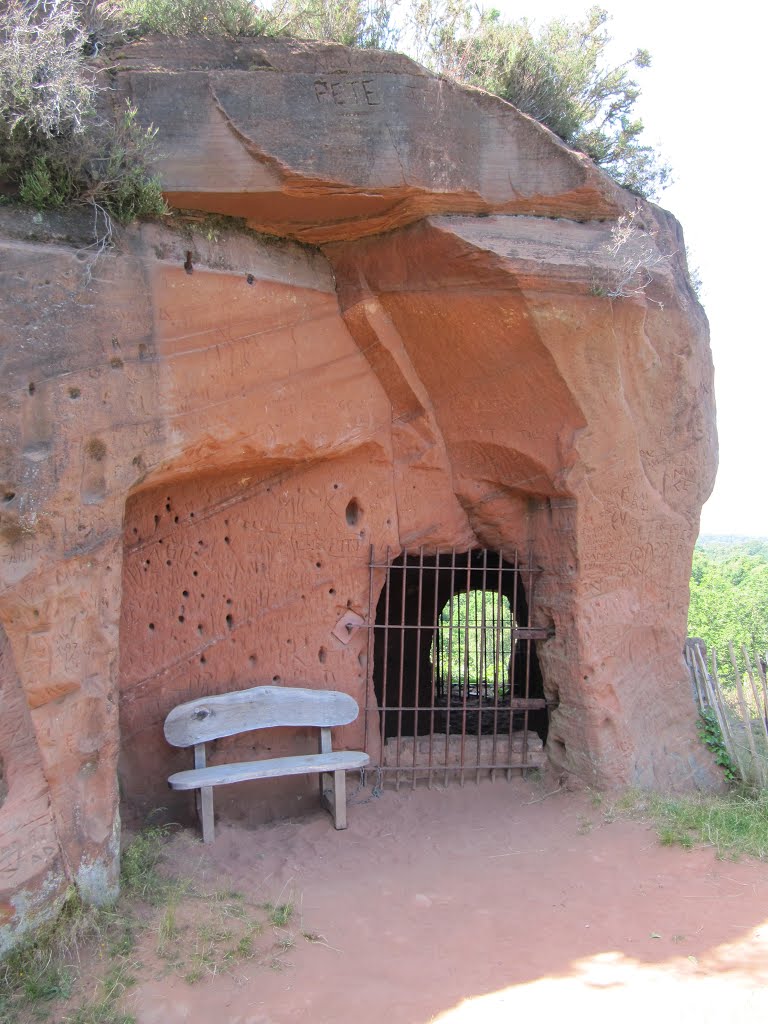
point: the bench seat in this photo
(275, 767)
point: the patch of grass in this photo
(167, 929)
(224, 895)
(40, 971)
(279, 913)
(104, 1008)
(44, 969)
(244, 947)
(139, 877)
(735, 824)
(197, 934)
(223, 941)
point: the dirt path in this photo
(479, 904)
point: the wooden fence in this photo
(737, 696)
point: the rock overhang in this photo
(322, 144)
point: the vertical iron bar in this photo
(402, 629)
(479, 636)
(513, 653)
(368, 650)
(385, 676)
(417, 700)
(480, 667)
(529, 595)
(435, 645)
(450, 663)
(497, 659)
(465, 666)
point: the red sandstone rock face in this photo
(321, 143)
(180, 451)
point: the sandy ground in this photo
(488, 903)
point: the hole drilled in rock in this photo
(353, 512)
(96, 449)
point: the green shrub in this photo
(351, 22)
(116, 175)
(365, 23)
(45, 90)
(712, 737)
(197, 17)
(47, 184)
(54, 146)
(557, 73)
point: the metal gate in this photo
(457, 687)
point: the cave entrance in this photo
(457, 683)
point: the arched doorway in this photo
(456, 677)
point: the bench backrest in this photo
(261, 707)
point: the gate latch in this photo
(347, 624)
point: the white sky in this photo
(703, 105)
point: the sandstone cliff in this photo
(432, 335)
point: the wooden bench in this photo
(264, 707)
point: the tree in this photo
(729, 598)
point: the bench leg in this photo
(206, 812)
(340, 799)
(326, 791)
(333, 795)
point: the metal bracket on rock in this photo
(347, 624)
